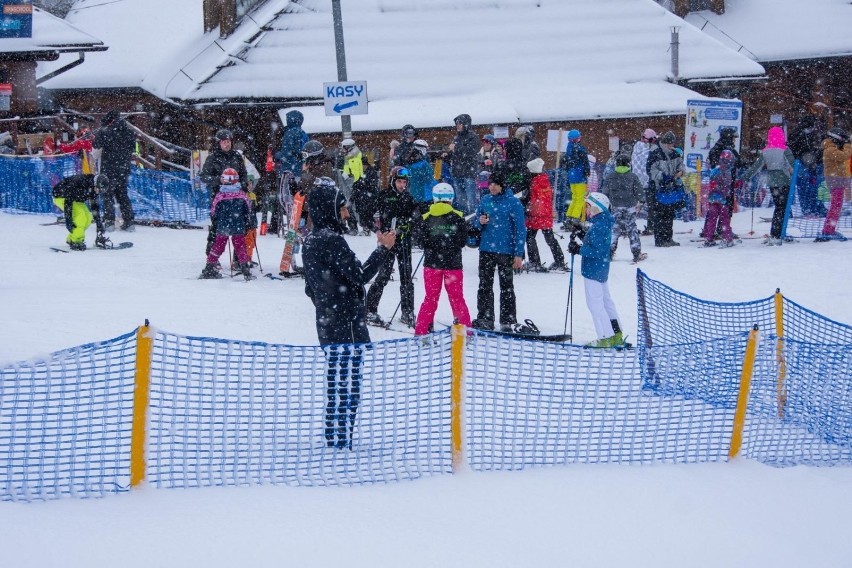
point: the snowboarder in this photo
(73, 195)
(117, 141)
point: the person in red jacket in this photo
(540, 218)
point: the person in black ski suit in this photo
(396, 211)
(117, 142)
(334, 281)
(365, 193)
(406, 143)
(73, 195)
(220, 159)
(464, 154)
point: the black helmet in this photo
(224, 134)
(728, 132)
(838, 134)
(312, 149)
(668, 138)
(399, 172)
(101, 181)
(622, 160)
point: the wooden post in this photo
(742, 398)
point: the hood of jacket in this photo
(775, 138)
(324, 203)
(294, 119)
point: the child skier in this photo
(231, 214)
(721, 189)
(626, 195)
(443, 234)
(540, 218)
(595, 270)
(73, 195)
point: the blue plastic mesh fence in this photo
(26, 186)
(532, 403)
(65, 422)
(240, 413)
(800, 404)
(26, 183)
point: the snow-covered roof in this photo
(142, 36)
(51, 34)
(778, 30)
(498, 60)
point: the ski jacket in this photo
(623, 188)
(721, 184)
(289, 157)
(540, 208)
(75, 146)
(505, 232)
(399, 206)
(117, 141)
(515, 170)
(778, 163)
(334, 277)
(490, 161)
(595, 250)
(216, 163)
(353, 165)
(232, 210)
(724, 143)
(662, 167)
(639, 161)
(531, 149)
(443, 234)
(805, 141)
(836, 160)
(576, 163)
(422, 181)
(78, 188)
(465, 154)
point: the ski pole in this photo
(419, 262)
(257, 252)
(569, 306)
(230, 257)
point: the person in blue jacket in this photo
(499, 219)
(422, 178)
(595, 269)
(289, 157)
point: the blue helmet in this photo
(573, 134)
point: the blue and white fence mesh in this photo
(233, 413)
(26, 184)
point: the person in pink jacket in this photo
(540, 218)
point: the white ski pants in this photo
(601, 307)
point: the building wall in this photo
(24, 95)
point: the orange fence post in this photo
(779, 352)
(144, 348)
(742, 397)
(459, 334)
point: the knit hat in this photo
(535, 166)
(668, 138)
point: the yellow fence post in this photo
(144, 344)
(779, 352)
(459, 334)
(742, 397)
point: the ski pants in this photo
(81, 218)
(401, 252)
(488, 262)
(718, 213)
(837, 186)
(219, 244)
(807, 183)
(779, 197)
(625, 225)
(578, 201)
(343, 391)
(601, 307)
(116, 191)
(433, 280)
(550, 239)
(663, 223)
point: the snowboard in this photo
(116, 246)
(292, 233)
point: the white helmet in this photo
(443, 192)
(347, 142)
(599, 200)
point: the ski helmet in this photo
(463, 119)
(598, 200)
(574, 135)
(490, 139)
(421, 145)
(229, 176)
(101, 181)
(622, 160)
(649, 134)
(443, 192)
(312, 151)
(224, 134)
(347, 142)
(668, 138)
(398, 172)
(408, 131)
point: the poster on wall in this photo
(17, 19)
(705, 119)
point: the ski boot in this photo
(483, 324)
(407, 319)
(375, 319)
(77, 246)
(639, 257)
(559, 266)
(210, 272)
(246, 270)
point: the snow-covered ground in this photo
(735, 514)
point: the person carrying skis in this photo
(233, 218)
(778, 161)
(594, 250)
(443, 234)
(624, 190)
(499, 220)
(73, 195)
(721, 188)
(396, 212)
(334, 281)
(540, 218)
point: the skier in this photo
(422, 178)
(224, 156)
(499, 221)
(232, 215)
(396, 212)
(540, 218)
(288, 159)
(117, 141)
(334, 281)
(402, 150)
(465, 155)
(594, 250)
(638, 162)
(73, 195)
(721, 187)
(624, 190)
(531, 149)
(778, 161)
(665, 170)
(836, 155)
(365, 193)
(577, 170)
(443, 234)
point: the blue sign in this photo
(16, 20)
